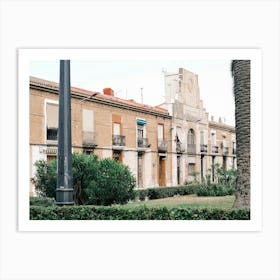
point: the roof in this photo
(53, 86)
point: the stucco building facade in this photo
(163, 145)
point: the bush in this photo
(45, 178)
(214, 190)
(113, 184)
(156, 193)
(137, 213)
(41, 201)
(141, 194)
(94, 181)
(222, 176)
(83, 168)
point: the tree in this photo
(100, 182)
(113, 184)
(241, 75)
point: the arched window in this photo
(191, 137)
(191, 142)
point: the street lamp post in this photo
(64, 189)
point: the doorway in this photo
(161, 171)
(140, 170)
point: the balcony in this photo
(203, 148)
(215, 149)
(52, 134)
(191, 149)
(225, 151)
(180, 147)
(118, 140)
(89, 139)
(162, 146)
(143, 143)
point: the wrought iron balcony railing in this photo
(215, 149)
(203, 148)
(89, 139)
(52, 134)
(118, 140)
(162, 146)
(180, 147)
(191, 149)
(143, 143)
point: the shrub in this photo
(45, 178)
(137, 213)
(83, 168)
(94, 181)
(156, 193)
(223, 176)
(214, 190)
(41, 201)
(141, 194)
(113, 184)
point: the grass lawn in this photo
(188, 201)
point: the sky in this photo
(127, 77)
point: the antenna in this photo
(141, 95)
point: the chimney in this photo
(108, 91)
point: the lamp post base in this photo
(64, 196)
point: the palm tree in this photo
(241, 75)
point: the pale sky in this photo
(127, 77)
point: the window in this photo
(52, 121)
(233, 147)
(160, 131)
(117, 129)
(140, 131)
(213, 138)
(88, 128)
(191, 142)
(224, 141)
(117, 155)
(191, 169)
(202, 137)
(162, 144)
(191, 139)
(142, 141)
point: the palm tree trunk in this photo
(242, 77)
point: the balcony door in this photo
(117, 134)
(160, 132)
(117, 129)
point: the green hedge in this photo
(156, 193)
(199, 189)
(41, 201)
(137, 213)
(214, 190)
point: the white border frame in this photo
(24, 58)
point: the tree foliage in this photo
(114, 184)
(99, 182)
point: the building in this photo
(165, 145)
(197, 142)
(102, 124)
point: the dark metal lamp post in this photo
(64, 188)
